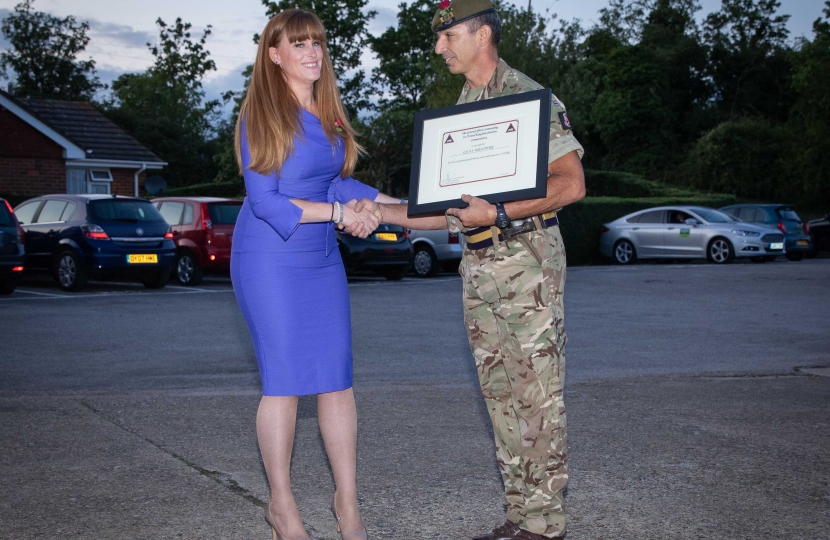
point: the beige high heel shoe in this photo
(359, 534)
(276, 532)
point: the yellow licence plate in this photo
(387, 237)
(143, 259)
(802, 243)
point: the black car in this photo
(387, 251)
(12, 251)
(819, 229)
(99, 236)
(776, 216)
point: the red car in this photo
(202, 229)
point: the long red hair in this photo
(272, 112)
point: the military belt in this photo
(482, 237)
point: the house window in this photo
(99, 181)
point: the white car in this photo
(434, 250)
(687, 232)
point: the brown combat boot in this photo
(526, 535)
(507, 531)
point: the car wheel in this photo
(188, 271)
(624, 252)
(796, 256)
(424, 263)
(720, 251)
(7, 286)
(157, 279)
(68, 271)
(394, 274)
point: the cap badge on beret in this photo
(445, 14)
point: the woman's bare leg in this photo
(337, 415)
(275, 422)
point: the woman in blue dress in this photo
(297, 151)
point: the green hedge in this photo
(230, 190)
(622, 184)
(581, 223)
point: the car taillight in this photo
(21, 235)
(406, 233)
(11, 210)
(207, 224)
(781, 227)
(806, 228)
(17, 269)
(169, 234)
(94, 232)
(606, 229)
(453, 239)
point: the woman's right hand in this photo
(359, 223)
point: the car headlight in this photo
(739, 232)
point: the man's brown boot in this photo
(502, 532)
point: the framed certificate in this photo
(496, 149)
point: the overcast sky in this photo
(120, 29)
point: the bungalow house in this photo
(50, 146)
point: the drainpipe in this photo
(139, 171)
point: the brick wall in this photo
(32, 176)
(20, 140)
(123, 182)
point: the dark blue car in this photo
(78, 237)
(783, 217)
(12, 252)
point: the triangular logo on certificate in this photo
(510, 128)
(449, 139)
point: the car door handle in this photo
(671, 228)
(635, 228)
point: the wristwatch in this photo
(502, 221)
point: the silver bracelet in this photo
(339, 207)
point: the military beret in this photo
(452, 12)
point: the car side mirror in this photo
(693, 222)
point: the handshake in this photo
(360, 218)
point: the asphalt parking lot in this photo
(694, 408)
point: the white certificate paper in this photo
(479, 153)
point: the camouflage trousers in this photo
(514, 316)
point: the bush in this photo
(622, 184)
(230, 190)
(581, 223)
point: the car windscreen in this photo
(714, 216)
(129, 211)
(788, 213)
(224, 214)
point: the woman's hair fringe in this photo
(271, 114)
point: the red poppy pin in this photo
(445, 14)
(338, 125)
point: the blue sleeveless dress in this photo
(288, 277)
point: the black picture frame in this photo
(543, 96)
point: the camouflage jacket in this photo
(507, 81)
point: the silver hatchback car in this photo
(687, 232)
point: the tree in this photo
(43, 55)
(747, 62)
(164, 107)
(405, 54)
(347, 34)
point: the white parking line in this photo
(185, 288)
(106, 295)
(39, 293)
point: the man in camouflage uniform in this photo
(513, 287)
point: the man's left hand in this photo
(479, 213)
